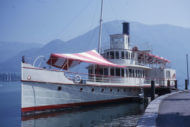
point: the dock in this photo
(170, 110)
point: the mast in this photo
(100, 28)
(187, 69)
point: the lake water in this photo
(115, 115)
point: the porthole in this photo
(110, 90)
(81, 89)
(102, 90)
(59, 88)
(92, 89)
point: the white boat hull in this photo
(45, 89)
(40, 96)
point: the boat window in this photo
(111, 55)
(127, 73)
(97, 71)
(136, 75)
(92, 89)
(126, 54)
(102, 90)
(90, 71)
(122, 72)
(140, 73)
(117, 90)
(130, 73)
(81, 89)
(133, 73)
(143, 74)
(105, 55)
(129, 55)
(168, 74)
(122, 55)
(112, 71)
(108, 55)
(117, 71)
(110, 90)
(117, 55)
(101, 71)
(132, 55)
(105, 71)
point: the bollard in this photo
(186, 84)
(175, 84)
(168, 83)
(152, 90)
(23, 59)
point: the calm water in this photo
(117, 115)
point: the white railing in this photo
(117, 79)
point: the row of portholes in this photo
(102, 90)
(59, 88)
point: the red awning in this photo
(66, 61)
(159, 58)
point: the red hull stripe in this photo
(38, 108)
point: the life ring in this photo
(77, 78)
(29, 77)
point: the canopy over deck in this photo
(159, 58)
(66, 61)
(150, 58)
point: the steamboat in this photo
(120, 72)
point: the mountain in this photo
(10, 49)
(171, 42)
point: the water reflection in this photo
(123, 114)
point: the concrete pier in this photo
(174, 111)
(170, 110)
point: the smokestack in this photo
(126, 28)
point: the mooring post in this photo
(152, 90)
(23, 59)
(186, 84)
(168, 83)
(187, 71)
(175, 84)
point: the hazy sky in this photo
(45, 20)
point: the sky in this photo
(44, 20)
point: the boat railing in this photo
(84, 78)
(160, 81)
(28, 60)
(39, 61)
(104, 79)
